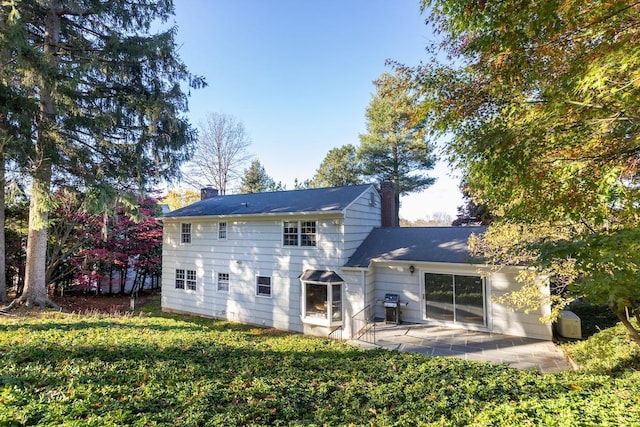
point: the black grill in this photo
(391, 305)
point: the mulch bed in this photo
(107, 304)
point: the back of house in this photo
(314, 260)
(270, 259)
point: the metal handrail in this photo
(336, 334)
(363, 326)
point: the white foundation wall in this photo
(396, 278)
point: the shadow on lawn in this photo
(249, 375)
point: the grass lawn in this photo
(152, 369)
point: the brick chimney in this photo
(208, 192)
(388, 203)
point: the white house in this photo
(309, 260)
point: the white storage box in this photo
(568, 325)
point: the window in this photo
(179, 279)
(191, 280)
(454, 298)
(223, 282)
(323, 301)
(185, 233)
(299, 233)
(308, 233)
(186, 277)
(316, 301)
(322, 297)
(290, 233)
(263, 286)
(222, 230)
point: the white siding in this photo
(509, 321)
(253, 247)
(353, 296)
(360, 218)
(396, 278)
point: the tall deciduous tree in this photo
(256, 180)
(340, 167)
(109, 102)
(177, 199)
(220, 153)
(542, 106)
(395, 148)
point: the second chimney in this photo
(388, 204)
(208, 192)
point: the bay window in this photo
(322, 297)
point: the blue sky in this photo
(298, 75)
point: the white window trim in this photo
(317, 321)
(222, 291)
(183, 234)
(226, 230)
(185, 280)
(486, 289)
(188, 281)
(299, 233)
(182, 279)
(270, 296)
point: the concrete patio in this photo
(517, 352)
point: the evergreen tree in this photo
(16, 112)
(109, 103)
(340, 167)
(256, 180)
(395, 148)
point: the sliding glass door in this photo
(454, 298)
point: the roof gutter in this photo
(334, 214)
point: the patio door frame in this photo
(485, 326)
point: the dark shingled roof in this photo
(431, 244)
(334, 199)
(321, 276)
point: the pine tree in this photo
(109, 103)
(256, 180)
(340, 167)
(395, 149)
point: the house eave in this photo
(270, 215)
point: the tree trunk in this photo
(123, 279)
(622, 315)
(35, 287)
(3, 267)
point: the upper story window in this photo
(307, 233)
(290, 233)
(299, 233)
(185, 233)
(222, 230)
